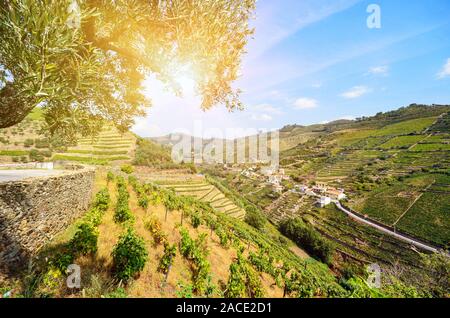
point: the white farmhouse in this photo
(323, 201)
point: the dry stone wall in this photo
(33, 211)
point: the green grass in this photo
(430, 147)
(14, 153)
(110, 147)
(406, 127)
(98, 152)
(402, 141)
(387, 203)
(401, 128)
(429, 218)
(88, 160)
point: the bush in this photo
(143, 201)
(129, 255)
(154, 226)
(46, 153)
(110, 176)
(196, 251)
(94, 216)
(254, 218)
(35, 155)
(195, 220)
(122, 212)
(127, 169)
(170, 251)
(41, 143)
(85, 239)
(308, 238)
(28, 143)
(102, 199)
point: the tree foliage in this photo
(84, 61)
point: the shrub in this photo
(196, 251)
(254, 217)
(35, 155)
(28, 143)
(154, 226)
(127, 169)
(143, 201)
(122, 212)
(129, 255)
(94, 216)
(46, 153)
(85, 239)
(41, 143)
(195, 220)
(62, 260)
(308, 238)
(170, 251)
(243, 280)
(110, 176)
(102, 199)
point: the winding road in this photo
(385, 230)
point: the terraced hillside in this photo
(394, 168)
(208, 193)
(109, 145)
(27, 142)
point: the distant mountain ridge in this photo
(293, 134)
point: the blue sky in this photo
(314, 61)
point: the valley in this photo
(345, 195)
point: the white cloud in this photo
(355, 92)
(260, 117)
(267, 108)
(379, 70)
(305, 103)
(445, 70)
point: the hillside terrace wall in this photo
(33, 211)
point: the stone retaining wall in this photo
(33, 211)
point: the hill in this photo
(28, 142)
(394, 169)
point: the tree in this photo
(84, 61)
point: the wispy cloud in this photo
(267, 108)
(445, 70)
(379, 70)
(355, 92)
(260, 117)
(305, 103)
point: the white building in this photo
(336, 194)
(323, 201)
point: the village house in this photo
(323, 201)
(336, 194)
(320, 187)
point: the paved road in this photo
(14, 175)
(382, 229)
